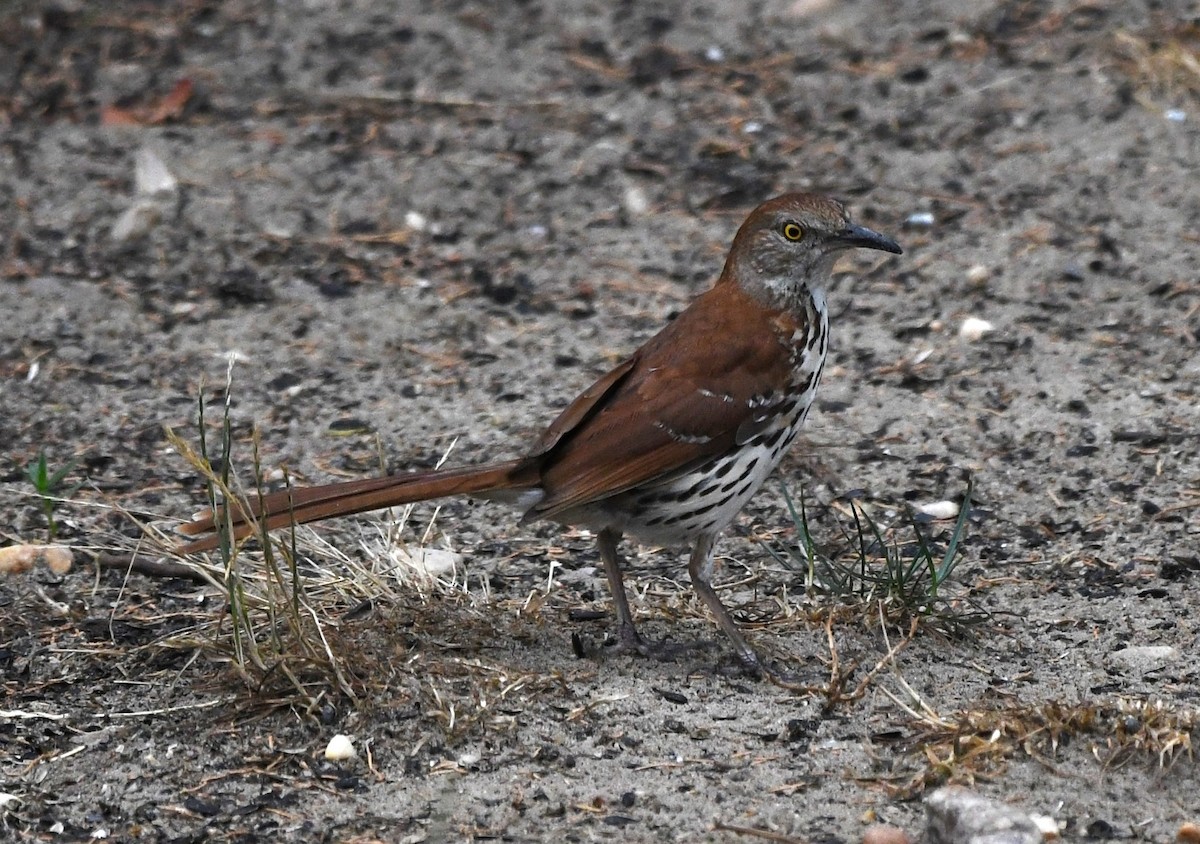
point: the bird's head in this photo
(787, 246)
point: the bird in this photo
(669, 445)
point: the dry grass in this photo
(977, 744)
(394, 624)
(1164, 66)
(300, 620)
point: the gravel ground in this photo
(435, 224)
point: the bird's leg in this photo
(626, 631)
(700, 569)
(628, 637)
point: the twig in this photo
(754, 832)
(24, 715)
(149, 566)
(884, 661)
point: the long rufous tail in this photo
(310, 504)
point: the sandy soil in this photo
(438, 224)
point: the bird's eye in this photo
(792, 232)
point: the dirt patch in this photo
(439, 225)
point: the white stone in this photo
(635, 201)
(940, 509)
(1048, 826)
(136, 220)
(340, 748)
(978, 274)
(974, 328)
(150, 174)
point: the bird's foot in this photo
(748, 664)
(630, 641)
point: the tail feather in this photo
(309, 504)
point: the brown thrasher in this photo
(671, 444)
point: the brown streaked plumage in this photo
(669, 445)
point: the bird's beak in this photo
(863, 237)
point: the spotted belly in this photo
(706, 499)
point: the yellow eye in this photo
(792, 231)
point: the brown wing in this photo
(703, 384)
(584, 406)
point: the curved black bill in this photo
(865, 238)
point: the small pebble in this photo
(416, 221)
(340, 748)
(921, 218)
(635, 201)
(136, 221)
(277, 230)
(150, 174)
(973, 329)
(1189, 833)
(1175, 115)
(978, 274)
(940, 509)
(1073, 271)
(1048, 826)
(714, 54)
(671, 696)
